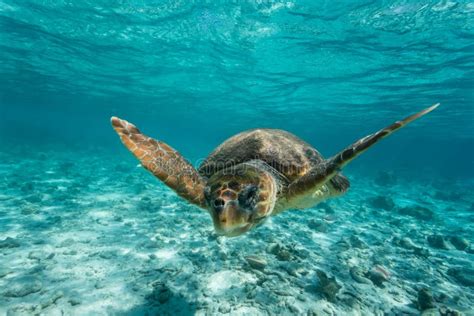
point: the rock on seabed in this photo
(22, 286)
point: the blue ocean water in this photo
(83, 230)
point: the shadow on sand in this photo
(162, 301)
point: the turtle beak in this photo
(231, 219)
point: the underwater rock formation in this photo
(417, 211)
(382, 202)
(328, 286)
(437, 241)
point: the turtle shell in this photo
(286, 153)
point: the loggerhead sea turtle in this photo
(252, 175)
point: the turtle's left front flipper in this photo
(332, 166)
(163, 161)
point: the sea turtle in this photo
(252, 175)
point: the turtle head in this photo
(239, 198)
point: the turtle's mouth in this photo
(234, 231)
(232, 220)
(235, 228)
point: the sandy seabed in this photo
(93, 235)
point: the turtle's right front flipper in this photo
(163, 161)
(332, 166)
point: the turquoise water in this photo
(84, 231)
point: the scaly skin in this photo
(163, 161)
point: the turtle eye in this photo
(248, 197)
